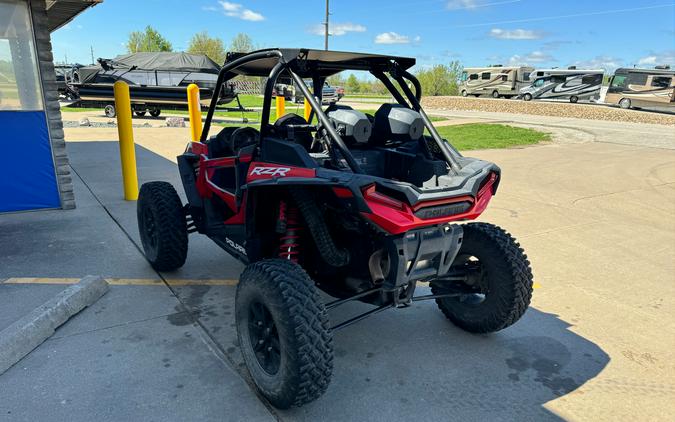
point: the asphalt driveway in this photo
(597, 220)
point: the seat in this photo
(231, 139)
(294, 128)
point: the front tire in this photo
(527, 97)
(155, 112)
(625, 103)
(162, 226)
(283, 332)
(495, 94)
(574, 99)
(464, 93)
(503, 283)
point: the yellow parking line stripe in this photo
(124, 281)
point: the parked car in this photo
(329, 94)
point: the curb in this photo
(20, 338)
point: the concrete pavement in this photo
(595, 217)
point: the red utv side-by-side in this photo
(362, 207)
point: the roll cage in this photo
(318, 65)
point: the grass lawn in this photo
(490, 136)
(250, 115)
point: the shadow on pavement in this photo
(403, 364)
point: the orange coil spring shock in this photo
(289, 243)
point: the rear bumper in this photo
(421, 254)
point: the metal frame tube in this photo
(335, 303)
(267, 99)
(449, 154)
(224, 71)
(326, 123)
(390, 86)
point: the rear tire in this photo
(574, 99)
(505, 281)
(110, 111)
(162, 226)
(283, 332)
(495, 94)
(625, 103)
(139, 113)
(155, 112)
(464, 93)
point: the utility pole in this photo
(91, 50)
(326, 34)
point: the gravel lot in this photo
(582, 111)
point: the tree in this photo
(148, 40)
(440, 79)
(352, 85)
(213, 48)
(242, 43)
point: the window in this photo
(540, 73)
(558, 79)
(592, 79)
(637, 79)
(464, 76)
(485, 75)
(619, 81)
(526, 76)
(19, 78)
(539, 82)
(662, 81)
(504, 78)
(573, 81)
(473, 76)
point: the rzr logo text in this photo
(270, 171)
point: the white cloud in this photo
(608, 63)
(515, 34)
(475, 4)
(463, 4)
(391, 38)
(237, 10)
(337, 29)
(661, 58)
(531, 58)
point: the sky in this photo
(591, 34)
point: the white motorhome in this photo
(497, 80)
(564, 84)
(632, 88)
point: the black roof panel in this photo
(306, 62)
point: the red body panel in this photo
(396, 217)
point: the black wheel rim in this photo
(264, 337)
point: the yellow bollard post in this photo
(308, 110)
(126, 135)
(195, 112)
(281, 105)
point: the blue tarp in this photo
(27, 177)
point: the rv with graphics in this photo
(497, 81)
(563, 84)
(634, 88)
